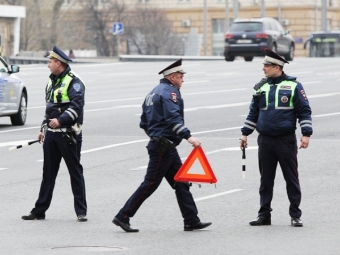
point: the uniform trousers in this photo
(161, 164)
(55, 148)
(282, 150)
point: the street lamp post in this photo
(226, 22)
(263, 9)
(205, 39)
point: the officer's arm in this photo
(303, 110)
(172, 114)
(76, 93)
(143, 121)
(251, 120)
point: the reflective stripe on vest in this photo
(284, 94)
(63, 88)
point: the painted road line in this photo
(325, 115)
(218, 194)
(206, 153)
(3, 169)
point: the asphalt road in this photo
(216, 96)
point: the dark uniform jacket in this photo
(67, 113)
(277, 104)
(163, 113)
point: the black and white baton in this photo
(243, 162)
(23, 145)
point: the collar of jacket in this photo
(165, 80)
(277, 80)
(61, 75)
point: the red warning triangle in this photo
(183, 175)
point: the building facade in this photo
(205, 36)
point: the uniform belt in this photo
(57, 130)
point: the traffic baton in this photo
(23, 145)
(243, 162)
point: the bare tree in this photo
(39, 30)
(55, 19)
(99, 19)
(149, 32)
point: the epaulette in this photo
(260, 83)
(291, 78)
(71, 74)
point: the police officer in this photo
(278, 101)
(61, 134)
(162, 120)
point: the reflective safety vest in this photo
(62, 89)
(284, 95)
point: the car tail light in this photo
(262, 35)
(229, 36)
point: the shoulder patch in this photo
(76, 86)
(302, 92)
(173, 96)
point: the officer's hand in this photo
(194, 141)
(54, 123)
(304, 142)
(243, 142)
(41, 137)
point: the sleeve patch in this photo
(76, 87)
(303, 94)
(173, 97)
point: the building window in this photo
(218, 26)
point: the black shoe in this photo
(199, 225)
(296, 222)
(125, 226)
(33, 216)
(260, 221)
(81, 217)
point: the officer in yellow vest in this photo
(61, 134)
(278, 102)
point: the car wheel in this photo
(290, 55)
(19, 119)
(248, 59)
(229, 58)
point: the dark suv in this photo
(249, 37)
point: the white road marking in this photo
(324, 115)
(324, 95)
(211, 92)
(13, 143)
(3, 169)
(210, 107)
(206, 153)
(189, 82)
(18, 129)
(218, 194)
(113, 108)
(311, 82)
(215, 130)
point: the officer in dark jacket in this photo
(278, 101)
(163, 121)
(61, 134)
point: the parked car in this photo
(249, 37)
(13, 94)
